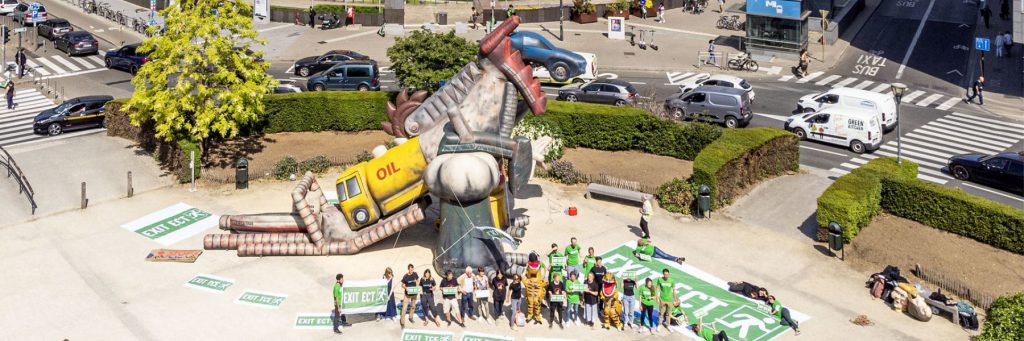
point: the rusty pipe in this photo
(365, 237)
(305, 210)
(271, 222)
(231, 241)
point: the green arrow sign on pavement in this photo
(426, 335)
(262, 299)
(313, 321)
(172, 224)
(209, 283)
(471, 336)
(705, 295)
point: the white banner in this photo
(261, 11)
(368, 296)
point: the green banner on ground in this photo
(209, 283)
(427, 335)
(703, 294)
(172, 224)
(313, 321)
(368, 296)
(471, 336)
(262, 299)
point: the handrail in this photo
(23, 185)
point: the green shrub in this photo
(955, 211)
(606, 127)
(341, 10)
(186, 148)
(743, 157)
(677, 195)
(564, 172)
(285, 167)
(317, 164)
(364, 156)
(1005, 319)
(535, 129)
(324, 111)
(854, 199)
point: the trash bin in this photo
(704, 201)
(442, 18)
(835, 236)
(242, 173)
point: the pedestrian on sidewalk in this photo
(711, 60)
(312, 17)
(999, 45)
(643, 9)
(661, 12)
(805, 61)
(499, 294)
(977, 88)
(473, 18)
(515, 298)
(1008, 42)
(985, 14)
(338, 319)
(511, 11)
(10, 94)
(1004, 10)
(20, 58)
(721, 6)
(646, 208)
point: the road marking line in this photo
(20, 123)
(291, 69)
(85, 61)
(273, 28)
(36, 68)
(918, 155)
(932, 179)
(881, 88)
(859, 161)
(394, 81)
(673, 76)
(940, 131)
(978, 127)
(99, 61)
(928, 100)
(948, 103)
(786, 78)
(52, 66)
(989, 120)
(911, 96)
(943, 139)
(43, 138)
(840, 171)
(809, 77)
(638, 83)
(828, 79)
(99, 30)
(849, 166)
(979, 135)
(967, 120)
(904, 155)
(823, 151)
(928, 150)
(991, 191)
(67, 63)
(913, 43)
(74, 74)
(863, 85)
(350, 36)
(845, 82)
(937, 143)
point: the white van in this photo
(859, 130)
(882, 105)
(544, 76)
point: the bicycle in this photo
(743, 62)
(729, 22)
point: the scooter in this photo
(329, 22)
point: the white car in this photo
(544, 76)
(7, 6)
(717, 80)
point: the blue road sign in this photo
(34, 7)
(982, 44)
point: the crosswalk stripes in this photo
(844, 82)
(809, 77)
(938, 101)
(66, 63)
(57, 66)
(677, 78)
(863, 85)
(16, 124)
(881, 88)
(948, 103)
(928, 100)
(932, 144)
(828, 79)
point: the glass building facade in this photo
(779, 25)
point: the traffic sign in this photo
(982, 44)
(21, 29)
(34, 7)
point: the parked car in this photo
(359, 75)
(857, 129)
(562, 64)
(882, 104)
(285, 88)
(1004, 171)
(125, 58)
(7, 6)
(604, 91)
(76, 113)
(54, 28)
(589, 74)
(717, 80)
(77, 43)
(23, 14)
(310, 65)
(728, 106)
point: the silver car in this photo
(603, 91)
(728, 106)
(23, 14)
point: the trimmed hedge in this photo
(855, 198)
(1005, 319)
(324, 111)
(742, 157)
(955, 211)
(606, 127)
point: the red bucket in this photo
(572, 211)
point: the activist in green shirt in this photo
(573, 298)
(588, 262)
(782, 314)
(710, 333)
(572, 256)
(648, 251)
(338, 318)
(551, 261)
(667, 294)
(647, 302)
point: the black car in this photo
(1004, 171)
(76, 113)
(75, 43)
(54, 28)
(310, 65)
(126, 58)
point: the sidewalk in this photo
(1004, 77)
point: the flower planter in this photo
(616, 13)
(584, 18)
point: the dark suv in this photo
(76, 113)
(126, 58)
(351, 75)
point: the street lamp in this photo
(898, 89)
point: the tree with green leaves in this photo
(424, 59)
(201, 80)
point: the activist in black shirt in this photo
(517, 290)
(627, 286)
(449, 283)
(427, 284)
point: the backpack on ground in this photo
(878, 287)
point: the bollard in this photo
(85, 201)
(131, 190)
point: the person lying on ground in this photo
(678, 316)
(749, 290)
(782, 314)
(709, 333)
(644, 247)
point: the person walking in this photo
(999, 45)
(1004, 10)
(499, 288)
(466, 289)
(643, 9)
(572, 256)
(661, 12)
(473, 18)
(389, 312)
(711, 60)
(648, 298)
(449, 292)
(427, 285)
(1008, 42)
(721, 6)
(805, 61)
(782, 314)
(667, 295)
(20, 58)
(628, 300)
(482, 288)
(976, 88)
(515, 295)
(646, 207)
(511, 11)
(10, 95)
(312, 17)
(556, 307)
(410, 280)
(985, 14)
(338, 319)
(572, 298)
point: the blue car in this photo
(126, 58)
(561, 63)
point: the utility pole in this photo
(561, 18)
(824, 26)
